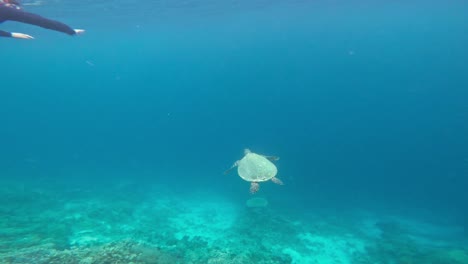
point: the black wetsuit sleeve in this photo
(5, 34)
(8, 13)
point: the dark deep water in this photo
(366, 103)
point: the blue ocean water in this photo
(121, 136)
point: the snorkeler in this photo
(11, 10)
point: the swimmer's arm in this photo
(33, 19)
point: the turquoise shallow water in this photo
(113, 144)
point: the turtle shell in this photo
(256, 168)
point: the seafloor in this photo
(131, 222)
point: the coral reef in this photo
(119, 225)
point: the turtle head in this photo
(247, 151)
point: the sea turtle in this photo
(256, 168)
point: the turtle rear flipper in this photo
(254, 187)
(277, 181)
(232, 167)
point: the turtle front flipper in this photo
(272, 158)
(254, 187)
(233, 166)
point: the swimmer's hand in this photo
(21, 36)
(79, 31)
